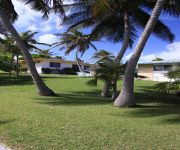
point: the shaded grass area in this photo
(79, 119)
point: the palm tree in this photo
(116, 20)
(8, 44)
(103, 55)
(8, 15)
(107, 70)
(75, 40)
(126, 96)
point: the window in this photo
(159, 68)
(162, 68)
(86, 67)
(167, 67)
(54, 65)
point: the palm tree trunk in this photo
(42, 88)
(115, 93)
(78, 63)
(11, 63)
(106, 88)
(126, 39)
(126, 96)
(122, 51)
(17, 65)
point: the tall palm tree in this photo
(126, 96)
(75, 40)
(116, 20)
(8, 15)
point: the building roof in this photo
(160, 62)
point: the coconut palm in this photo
(107, 70)
(118, 21)
(75, 40)
(103, 55)
(8, 15)
(126, 96)
(9, 45)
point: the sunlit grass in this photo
(79, 119)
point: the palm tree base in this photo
(125, 100)
(47, 92)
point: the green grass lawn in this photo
(79, 119)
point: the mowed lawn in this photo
(79, 119)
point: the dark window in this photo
(159, 68)
(167, 67)
(86, 67)
(55, 65)
(51, 64)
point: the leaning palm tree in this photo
(126, 96)
(8, 15)
(75, 40)
(9, 45)
(118, 21)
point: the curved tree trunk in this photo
(122, 51)
(11, 64)
(126, 96)
(42, 88)
(106, 88)
(126, 39)
(114, 87)
(78, 63)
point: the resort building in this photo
(54, 65)
(156, 70)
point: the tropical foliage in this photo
(75, 40)
(107, 70)
(172, 85)
(8, 45)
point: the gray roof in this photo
(160, 62)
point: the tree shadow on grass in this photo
(76, 98)
(5, 121)
(56, 76)
(153, 104)
(21, 80)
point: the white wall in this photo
(39, 67)
(160, 76)
(45, 64)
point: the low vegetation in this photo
(79, 119)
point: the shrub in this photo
(70, 71)
(46, 70)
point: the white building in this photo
(156, 70)
(58, 65)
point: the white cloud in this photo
(27, 16)
(172, 52)
(33, 28)
(32, 20)
(48, 38)
(2, 36)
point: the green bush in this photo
(70, 71)
(46, 70)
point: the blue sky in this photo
(31, 20)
